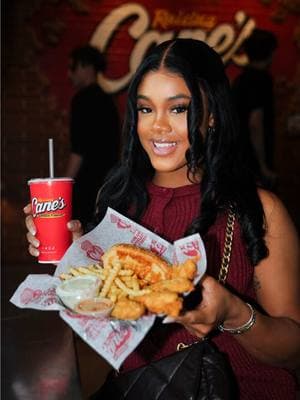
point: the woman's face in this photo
(162, 102)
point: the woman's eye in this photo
(144, 110)
(179, 109)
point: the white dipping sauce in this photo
(78, 288)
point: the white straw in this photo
(51, 161)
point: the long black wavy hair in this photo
(227, 180)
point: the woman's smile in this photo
(162, 148)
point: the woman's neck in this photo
(174, 179)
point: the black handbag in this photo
(195, 372)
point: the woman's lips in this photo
(164, 148)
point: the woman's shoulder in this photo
(269, 201)
(276, 213)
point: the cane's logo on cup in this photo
(49, 208)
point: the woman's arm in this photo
(275, 336)
(276, 339)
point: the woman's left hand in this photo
(215, 307)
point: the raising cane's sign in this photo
(125, 31)
(225, 37)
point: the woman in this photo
(183, 167)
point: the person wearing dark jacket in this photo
(94, 131)
(254, 98)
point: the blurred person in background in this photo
(94, 130)
(253, 94)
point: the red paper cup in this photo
(51, 201)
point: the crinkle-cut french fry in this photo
(125, 272)
(115, 293)
(85, 271)
(125, 279)
(113, 297)
(96, 268)
(65, 276)
(99, 275)
(108, 282)
(108, 265)
(135, 285)
(79, 271)
(113, 290)
(74, 272)
(131, 282)
(122, 295)
(129, 291)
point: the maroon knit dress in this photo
(169, 214)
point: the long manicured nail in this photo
(36, 253)
(70, 225)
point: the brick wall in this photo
(30, 117)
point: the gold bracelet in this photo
(243, 328)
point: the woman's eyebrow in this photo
(180, 96)
(140, 96)
(176, 97)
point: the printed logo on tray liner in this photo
(29, 295)
(138, 237)
(80, 318)
(121, 224)
(92, 326)
(116, 342)
(45, 298)
(92, 250)
(191, 249)
(157, 247)
(92, 330)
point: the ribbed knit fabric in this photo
(169, 214)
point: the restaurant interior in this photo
(42, 358)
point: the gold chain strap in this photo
(227, 247)
(225, 261)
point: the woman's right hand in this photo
(74, 226)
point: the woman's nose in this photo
(161, 124)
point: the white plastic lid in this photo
(40, 180)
